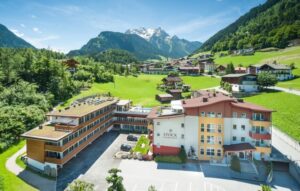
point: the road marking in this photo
(176, 186)
(162, 187)
(134, 188)
(190, 186)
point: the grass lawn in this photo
(287, 110)
(142, 89)
(143, 141)
(11, 181)
(294, 84)
(168, 159)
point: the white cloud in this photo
(36, 29)
(22, 25)
(18, 33)
(41, 42)
(33, 16)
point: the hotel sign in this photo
(170, 134)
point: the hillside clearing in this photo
(142, 89)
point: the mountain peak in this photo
(148, 33)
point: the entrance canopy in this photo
(238, 147)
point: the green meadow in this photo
(10, 181)
(142, 89)
(286, 115)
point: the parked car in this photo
(132, 138)
(125, 147)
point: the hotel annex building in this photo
(210, 126)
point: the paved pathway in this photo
(31, 178)
(285, 148)
(291, 91)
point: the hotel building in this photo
(211, 126)
(70, 130)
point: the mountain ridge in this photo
(148, 44)
(10, 40)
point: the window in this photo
(219, 152)
(244, 115)
(210, 128)
(202, 114)
(201, 151)
(210, 152)
(219, 128)
(202, 138)
(220, 140)
(210, 139)
(182, 125)
(242, 139)
(158, 123)
(219, 115)
(202, 127)
(234, 126)
(234, 114)
(234, 138)
(211, 114)
(243, 127)
(182, 136)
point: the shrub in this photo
(182, 155)
(235, 164)
(265, 188)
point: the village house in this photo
(241, 82)
(172, 82)
(164, 98)
(220, 69)
(281, 71)
(240, 70)
(212, 126)
(71, 65)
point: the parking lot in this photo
(93, 163)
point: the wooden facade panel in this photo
(36, 149)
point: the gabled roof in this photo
(236, 75)
(274, 66)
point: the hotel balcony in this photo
(260, 122)
(260, 136)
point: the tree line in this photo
(33, 81)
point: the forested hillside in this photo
(33, 81)
(115, 56)
(10, 40)
(272, 24)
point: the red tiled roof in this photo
(211, 99)
(238, 147)
(250, 106)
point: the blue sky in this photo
(67, 25)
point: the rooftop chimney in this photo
(205, 99)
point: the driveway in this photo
(93, 163)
